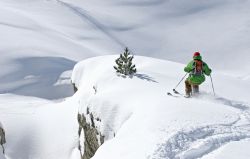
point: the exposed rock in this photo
(92, 138)
(75, 88)
(2, 138)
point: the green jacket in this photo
(197, 79)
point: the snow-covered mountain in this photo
(139, 120)
(172, 30)
(54, 34)
(42, 40)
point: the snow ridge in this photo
(86, 16)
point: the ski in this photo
(175, 91)
(170, 94)
(177, 94)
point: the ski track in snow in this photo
(199, 141)
(83, 14)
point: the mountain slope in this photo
(59, 33)
(139, 120)
(135, 115)
(172, 30)
(42, 40)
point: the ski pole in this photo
(212, 84)
(180, 81)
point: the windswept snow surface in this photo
(139, 119)
(237, 150)
(42, 40)
(77, 29)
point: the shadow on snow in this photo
(37, 76)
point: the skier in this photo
(196, 69)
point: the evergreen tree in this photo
(124, 64)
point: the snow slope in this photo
(42, 40)
(147, 123)
(232, 150)
(58, 33)
(173, 29)
(138, 119)
(37, 128)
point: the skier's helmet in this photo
(197, 54)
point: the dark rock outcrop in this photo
(75, 88)
(2, 138)
(92, 137)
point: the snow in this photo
(43, 40)
(231, 150)
(146, 122)
(37, 128)
(67, 31)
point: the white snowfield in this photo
(138, 118)
(42, 40)
(147, 123)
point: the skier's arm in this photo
(189, 67)
(207, 70)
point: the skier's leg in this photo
(188, 88)
(195, 89)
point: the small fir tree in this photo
(124, 64)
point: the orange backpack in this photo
(198, 67)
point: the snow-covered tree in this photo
(124, 63)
